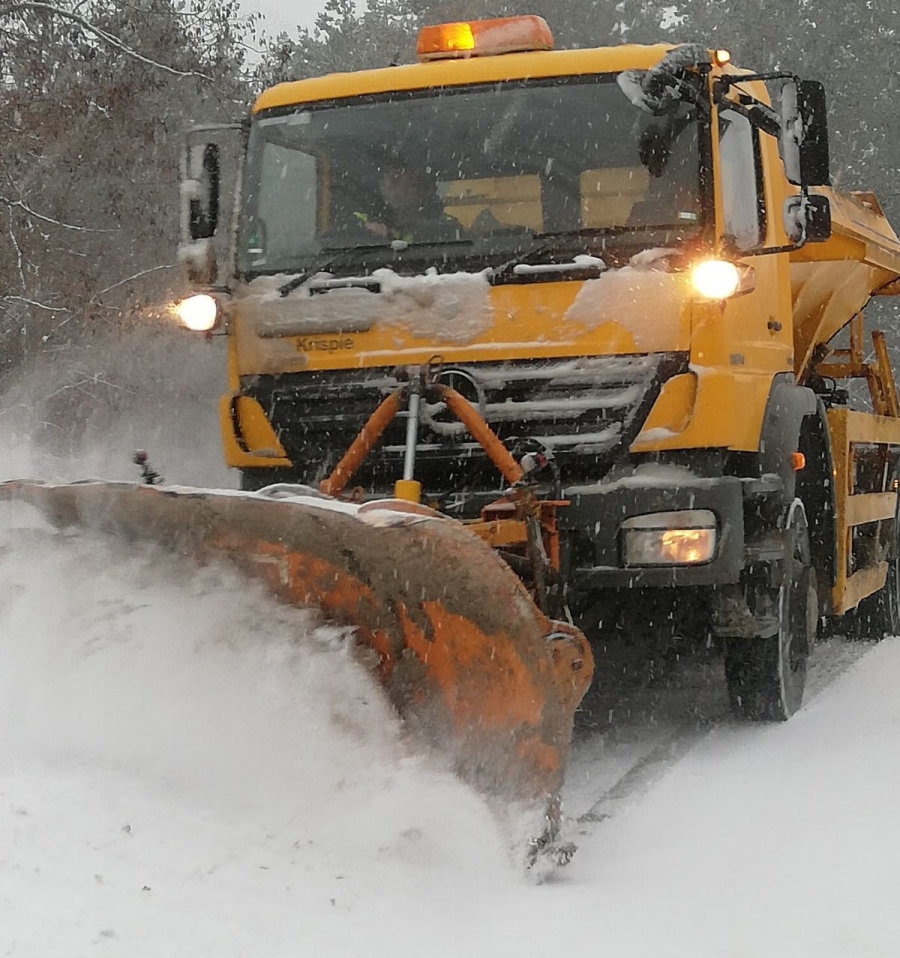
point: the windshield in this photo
(492, 168)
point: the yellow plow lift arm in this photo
(463, 653)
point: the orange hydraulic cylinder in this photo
(482, 433)
(363, 444)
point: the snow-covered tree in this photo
(94, 103)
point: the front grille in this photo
(583, 410)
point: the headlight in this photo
(669, 538)
(715, 278)
(198, 312)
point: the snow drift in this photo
(205, 761)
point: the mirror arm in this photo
(767, 250)
(763, 117)
(732, 79)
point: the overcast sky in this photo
(285, 14)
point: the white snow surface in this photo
(188, 768)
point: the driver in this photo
(413, 211)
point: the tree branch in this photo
(18, 249)
(47, 219)
(88, 380)
(16, 7)
(32, 302)
(128, 279)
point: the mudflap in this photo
(468, 660)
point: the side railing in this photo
(864, 450)
(861, 546)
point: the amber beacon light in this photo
(474, 38)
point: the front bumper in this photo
(591, 528)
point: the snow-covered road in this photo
(189, 769)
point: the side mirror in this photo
(201, 188)
(807, 219)
(199, 211)
(203, 180)
(804, 133)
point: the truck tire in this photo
(766, 675)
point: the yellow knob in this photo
(408, 490)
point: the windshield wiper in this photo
(297, 281)
(347, 255)
(562, 243)
(579, 263)
(401, 246)
(524, 264)
(337, 257)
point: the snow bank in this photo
(766, 840)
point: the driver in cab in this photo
(412, 209)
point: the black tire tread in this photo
(752, 666)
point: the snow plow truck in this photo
(529, 349)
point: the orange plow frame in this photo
(519, 523)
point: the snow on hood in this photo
(642, 298)
(444, 307)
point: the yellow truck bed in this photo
(832, 281)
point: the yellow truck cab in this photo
(629, 262)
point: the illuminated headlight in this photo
(715, 278)
(198, 312)
(669, 538)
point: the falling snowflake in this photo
(671, 18)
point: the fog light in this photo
(669, 538)
(198, 312)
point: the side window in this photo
(287, 208)
(744, 214)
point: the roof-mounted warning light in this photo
(721, 57)
(481, 38)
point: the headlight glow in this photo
(198, 312)
(670, 538)
(715, 278)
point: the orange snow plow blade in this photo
(463, 653)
